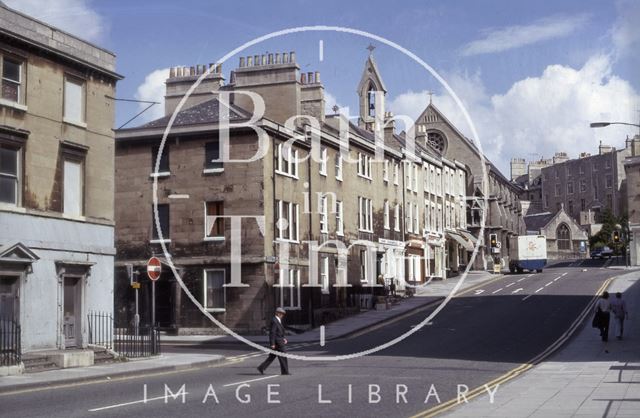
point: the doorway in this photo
(9, 298)
(72, 311)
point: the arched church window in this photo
(563, 235)
(371, 100)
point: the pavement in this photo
(586, 378)
(425, 297)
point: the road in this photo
(477, 338)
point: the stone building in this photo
(632, 172)
(317, 234)
(565, 237)
(56, 182)
(504, 211)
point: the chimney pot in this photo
(264, 59)
(303, 78)
(256, 60)
(249, 61)
(310, 77)
(178, 71)
(285, 58)
(192, 70)
(317, 76)
(241, 62)
(219, 69)
(270, 61)
(277, 58)
(292, 54)
(172, 73)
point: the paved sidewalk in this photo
(587, 378)
(433, 292)
(162, 363)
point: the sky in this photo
(531, 75)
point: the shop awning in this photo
(462, 241)
(468, 236)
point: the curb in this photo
(105, 377)
(372, 326)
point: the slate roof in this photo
(538, 221)
(203, 113)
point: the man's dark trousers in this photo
(276, 338)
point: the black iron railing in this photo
(143, 341)
(101, 329)
(129, 341)
(9, 342)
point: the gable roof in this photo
(538, 221)
(17, 253)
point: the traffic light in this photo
(616, 236)
(493, 240)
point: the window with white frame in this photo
(408, 171)
(365, 214)
(286, 160)
(214, 220)
(427, 216)
(364, 265)
(364, 165)
(324, 215)
(288, 297)
(415, 178)
(338, 166)
(408, 222)
(385, 171)
(163, 220)
(10, 174)
(287, 219)
(396, 170)
(339, 217)
(214, 290)
(73, 187)
(439, 218)
(12, 79)
(74, 99)
(212, 156)
(432, 180)
(387, 223)
(324, 274)
(425, 179)
(416, 219)
(323, 161)
(396, 217)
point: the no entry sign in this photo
(154, 267)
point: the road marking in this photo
(510, 284)
(132, 403)
(479, 292)
(527, 297)
(496, 291)
(251, 380)
(321, 335)
(522, 279)
(539, 289)
(517, 290)
(548, 284)
(530, 275)
(431, 412)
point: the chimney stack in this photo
(182, 78)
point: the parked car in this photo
(602, 252)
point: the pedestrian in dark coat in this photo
(277, 342)
(603, 307)
(619, 309)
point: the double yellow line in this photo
(513, 373)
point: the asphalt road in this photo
(478, 337)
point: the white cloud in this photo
(330, 100)
(540, 115)
(74, 16)
(625, 33)
(152, 89)
(512, 37)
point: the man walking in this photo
(619, 309)
(277, 343)
(603, 307)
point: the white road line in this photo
(496, 291)
(539, 290)
(479, 292)
(322, 336)
(251, 380)
(530, 275)
(510, 284)
(522, 279)
(131, 403)
(527, 297)
(548, 284)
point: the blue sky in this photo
(531, 74)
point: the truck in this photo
(527, 252)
